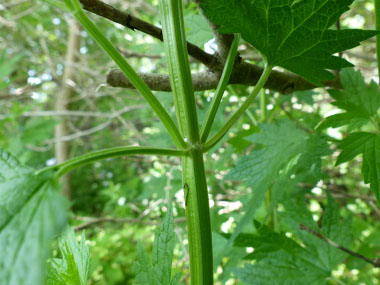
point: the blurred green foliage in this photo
(131, 194)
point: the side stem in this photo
(260, 84)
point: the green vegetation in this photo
(280, 190)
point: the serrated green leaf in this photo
(287, 150)
(73, 268)
(291, 34)
(282, 260)
(360, 102)
(367, 144)
(371, 165)
(158, 272)
(342, 119)
(280, 268)
(31, 214)
(310, 163)
(282, 142)
(353, 145)
(335, 229)
(356, 92)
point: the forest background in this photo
(55, 103)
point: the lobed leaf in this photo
(280, 259)
(367, 144)
(158, 272)
(353, 145)
(287, 150)
(371, 165)
(282, 142)
(293, 34)
(360, 102)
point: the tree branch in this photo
(127, 20)
(375, 262)
(244, 73)
(161, 82)
(95, 129)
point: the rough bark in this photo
(244, 73)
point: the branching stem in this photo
(193, 172)
(260, 84)
(211, 112)
(76, 9)
(110, 153)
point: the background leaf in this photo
(282, 260)
(158, 272)
(74, 267)
(361, 102)
(31, 214)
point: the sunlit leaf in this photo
(73, 268)
(158, 271)
(289, 33)
(31, 214)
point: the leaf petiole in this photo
(260, 84)
(211, 112)
(109, 153)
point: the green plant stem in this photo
(263, 105)
(251, 117)
(260, 84)
(179, 69)
(198, 219)
(110, 153)
(139, 84)
(377, 15)
(193, 173)
(211, 112)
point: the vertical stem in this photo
(263, 105)
(268, 199)
(193, 173)
(75, 7)
(377, 15)
(198, 219)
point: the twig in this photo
(375, 262)
(291, 117)
(107, 11)
(94, 129)
(93, 221)
(80, 133)
(128, 53)
(13, 4)
(67, 114)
